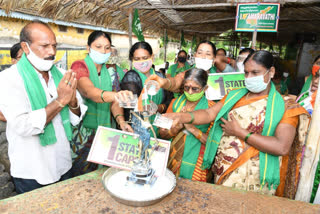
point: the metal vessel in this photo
(138, 198)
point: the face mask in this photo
(204, 64)
(37, 62)
(182, 59)
(99, 58)
(285, 74)
(240, 66)
(143, 66)
(315, 69)
(194, 97)
(256, 84)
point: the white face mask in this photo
(240, 66)
(37, 62)
(204, 64)
(256, 84)
(285, 74)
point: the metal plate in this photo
(137, 203)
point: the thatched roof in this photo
(201, 17)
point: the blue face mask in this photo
(99, 58)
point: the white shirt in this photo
(30, 160)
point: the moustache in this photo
(50, 58)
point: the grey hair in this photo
(198, 75)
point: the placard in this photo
(221, 83)
(260, 17)
(115, 148)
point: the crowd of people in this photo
(247, 140)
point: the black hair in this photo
(162, 70)
(261, 57)
(246, 50)
(14, 50)
(131, 82)
(316, 59)
(182, 51)
(198, 75)
(25, 33)
(221, 49)
(138, 45)
(95, 35)
(209, 43)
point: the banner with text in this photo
(118, 149)
(262, 17)
(221, 83)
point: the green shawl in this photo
(98, 114)
(269, 164)
(192, 144)
(307, 84)
(38, 100)
(175, 70)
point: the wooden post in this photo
(254, 39)
(165, 46)
(130, 32)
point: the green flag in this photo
(136, 26)
(182, 42)
(194, 42)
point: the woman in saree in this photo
(188, 141)
(96, 83)
(250, 146)
(141, 55)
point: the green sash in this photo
(307, 84)
(98, 114)
(38, 100)
(157, 99)
(175, 70)
(192, 144)
(269, 164)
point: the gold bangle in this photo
(169, 132)
(60, 104)
(102, 96)
(199, 134)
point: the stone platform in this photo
(85, 194)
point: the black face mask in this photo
(182, 59)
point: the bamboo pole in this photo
(165, 46)
(311, 156)
(254, 39)
(130, 32)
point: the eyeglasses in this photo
(194, 89)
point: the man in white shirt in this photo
(40, 102)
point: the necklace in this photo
(191, 107)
